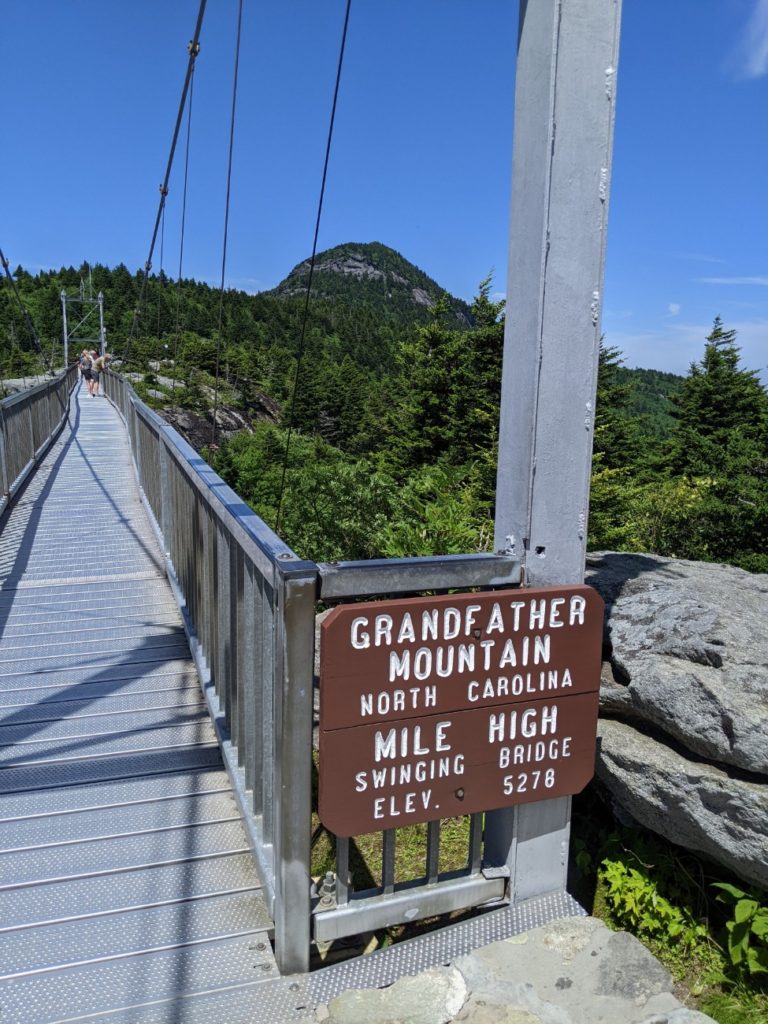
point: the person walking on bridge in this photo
(100, 363)
(86, 369)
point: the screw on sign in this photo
(434, 707)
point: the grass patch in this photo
(365, 853)
(365, 863)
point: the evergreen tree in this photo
(720, 448)
(615, 449)
(615, 437)
(452, 384)
(718, 402)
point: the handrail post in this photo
(294, 649)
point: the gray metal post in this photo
(102, 335)
(66, 331)
(295, 632)
(564, 111)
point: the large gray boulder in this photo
(686, 681)
(688, 646)
(692, 803)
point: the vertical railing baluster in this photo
(433, 852)
(266, 726)
(220, 611)
(30, 433)
(236, 632)
(246, 660)
(211, 603)
(342, 871)
(208, 589)
(253, 710)
(475, 842)
(228, 630)
(4, 476)
(196, 557)
(389, 837)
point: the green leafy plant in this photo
(637, 904)
(747, 930)
(582, 856)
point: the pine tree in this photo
(615, 449)
(615, 437)
(719, 403)
(452, 382)
(720, 447)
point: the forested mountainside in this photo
(393, 409)
(649, 398)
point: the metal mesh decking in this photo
(125, 877)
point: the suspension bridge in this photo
(158, 648)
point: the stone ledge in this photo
(571, 971)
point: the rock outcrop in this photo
(684, 738)
(571, 971)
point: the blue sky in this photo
(422, 149)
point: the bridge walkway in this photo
(127, 890)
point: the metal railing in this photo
(244, 594)
(482, 878)
(250, 604)
(29, 423)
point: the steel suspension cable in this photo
(226, 215)
(193, 49)
(25, 314)
(302, 336)
(177, 327)
(160, 281)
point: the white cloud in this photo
(252, 285)
(673, 348)
(753, 55)
(673, 309)
(733, 280)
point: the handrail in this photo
(243, 594)
(30, 421)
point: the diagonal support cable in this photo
(193, 49)
(47, 363)
(312, 264)
(226, 216)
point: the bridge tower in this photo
(84, 297)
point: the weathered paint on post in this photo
(564, 112)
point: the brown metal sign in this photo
(433, 707)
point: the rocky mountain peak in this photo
(371, 273)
